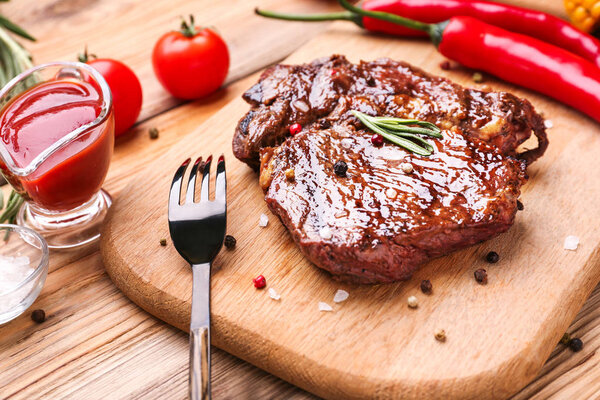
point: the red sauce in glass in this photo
(35, 119)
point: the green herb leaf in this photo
(402, 132)
(14, 28)
(14, 59)
(12, 207)
(410, 130)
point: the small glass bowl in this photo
(17, 241)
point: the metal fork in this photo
(198, 230)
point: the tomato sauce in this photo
(34, 120)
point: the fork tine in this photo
(191, 188)
(205, 190)
(221, 182)
(175, 193)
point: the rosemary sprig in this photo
(14, 59)
(14, 28)
(10, 212)
(402, 132)
(12, 206)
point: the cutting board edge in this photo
(530, 364)
(515, 372)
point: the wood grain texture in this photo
(95, 344)
(127, 30)
(499, 335)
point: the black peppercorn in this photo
(230, 242)
(163, 242)
(492, 257)
(340, 168)
(153, 133)
(324, 124)
(576, 344)
(520, 206)
(445, 65)
(38, 316)
(426, 286)
(481, 276)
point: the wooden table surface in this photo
(95, 343)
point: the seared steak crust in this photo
(321, 93)
(378, 223)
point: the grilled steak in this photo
(378, 223)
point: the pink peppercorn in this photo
(377, 140)
(259, 282)
(333, 72)
(295, 129)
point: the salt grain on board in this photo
(324, 306)
(548, 124)
(571, 242)
(340, 295)
(273, 294)
(264, 221)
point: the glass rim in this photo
(43, 264)
(65, 140)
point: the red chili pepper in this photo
(516, 58)
(537, 24)
(532, 23)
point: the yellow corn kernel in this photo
(584, 14)
(587, 24)
(595, 11)
(579, 14)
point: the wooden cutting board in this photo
(373, 345)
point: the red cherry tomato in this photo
(191, 63)
(125, 88)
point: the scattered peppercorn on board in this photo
(497, 335)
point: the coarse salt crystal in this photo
(571, 242)
(407, 168)
(301, 105)
(391, 193)
(325, 233)
(264, 221)
(346, 143)
(273, 294)
(384, 211)
(548, 124)
(13, 271)
(340, 295)
(324, 306)
(21, 261)
(413, 302)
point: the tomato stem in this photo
(188, 30)
(85, 56)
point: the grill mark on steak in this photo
(384, 222)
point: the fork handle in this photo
(199, 381)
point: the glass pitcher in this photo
(56, 142)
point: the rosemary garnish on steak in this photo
(402, 132)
